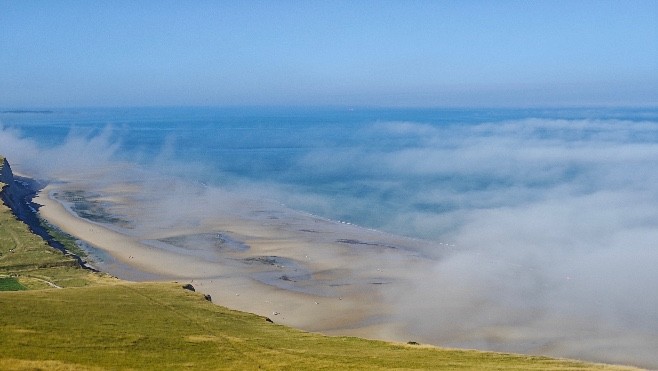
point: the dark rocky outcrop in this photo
(189, 286)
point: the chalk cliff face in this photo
(7, 193)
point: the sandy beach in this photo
(297, 269)
(315, 274)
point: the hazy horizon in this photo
(362, 53)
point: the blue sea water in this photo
(375, 167)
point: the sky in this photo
(336, 53)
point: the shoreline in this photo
(304, 282)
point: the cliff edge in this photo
(8, 190)
(6, 175)
(16, 194)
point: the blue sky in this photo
(351, 53)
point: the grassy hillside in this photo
(56, 316)
(161, 326)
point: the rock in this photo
(268, 320)
(412, 343)
(207, 297)
(189, 287)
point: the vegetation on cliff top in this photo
(26, 258)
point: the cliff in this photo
(6, 176)
(16, 193)
(9, 192)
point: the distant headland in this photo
(28, 111)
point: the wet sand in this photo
(297, 269)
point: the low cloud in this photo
(554, 222)
(555, 237)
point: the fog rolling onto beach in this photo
(542, 224)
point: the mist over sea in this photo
(410, 171)
(553, 213)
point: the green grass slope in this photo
(10, 284)
(29, 260)
(160, 326)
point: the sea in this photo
(552, 212)
(379, 168)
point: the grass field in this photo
(10, 284)
(161, 326)
(57, 316)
